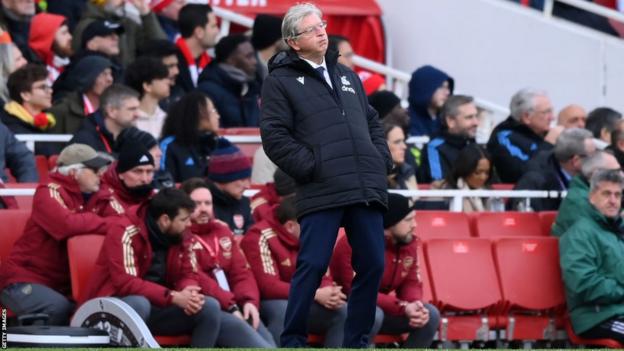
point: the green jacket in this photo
(69, 114)
(592, 262)
(133, 38)
(574, 206)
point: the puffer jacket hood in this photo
(42, 31)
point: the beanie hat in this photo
(86, 71)
(134, 135)
(133, 155)
(383, 101)
(266, 30)
(398, 208)
(371, 81)
(284, 184)
(228, 163)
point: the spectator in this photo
(150, 77)
(35, 278)
(270, 195)
(11, 59)
(617, 143)
(428, 90)
(225, 274)
(162, 178)
(15, 156)
(167, 12)
(402, 175)
(102, 37)
(229, 172)
(460, 123)
(266, 38)
(199, 31)
(127, 184)
(15, 17)
(591, 257)
(572, 116)
(146, 262)
(88, 79)
(575, 205)
(371, 82)
(554, 169)
(70, 9)
(189, 135)
(119, 109)
(521, 136)
(400, 293)
(135, 35)
(388, 105)
(230, 82)
(602, 121)
(167, 53)
(30, 95)
(50, 40)
(272, 246)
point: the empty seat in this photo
(547, 219)
(501, 224)
(441, 224)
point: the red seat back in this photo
(441, 224)
(547, 218)
(529, 273)
(463, 276)
(42, 168)
(83, 251)
(23, 202)
(11, 228)
(424, 274)
(497, 224)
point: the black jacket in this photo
(93, 132)
(236, 213)
(17, 126)
(511, 145)
(543, 172)
(439, 154)
(329, 140)
(184, 161)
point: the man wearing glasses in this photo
(35, 278)
(317, 126)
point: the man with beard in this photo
(225, 274)
(50, 40)
(128, 183)
(145, 261)
(401, 288)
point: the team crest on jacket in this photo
(226, 244)
(300, 80)
(344, 80)
(239, 221)
(408, 262)
(346, 85)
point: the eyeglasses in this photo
(44, 87)
(311, 29)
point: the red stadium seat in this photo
(42, 168)
(23, 202)
(441, 224)
(547, 218)
(13, 223)
(503, 186)
(530, 280)
(424, 274)
(240, 131)
(52, 162)
(500, 224)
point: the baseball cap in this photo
(100, 28)
(81, 153)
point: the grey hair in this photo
(606, 175)
(452, 104)
(114, 96)
(64, 170)
(571, 142)
(593, 163)
(294, 16)
(524, 101)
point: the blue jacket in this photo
(439, 155)
(15, 156)
(425, 81)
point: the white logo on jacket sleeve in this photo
(346, 85)
(300, 80)
(344, 80)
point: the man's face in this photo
(108, 45)
(173, 9)
(88, 179)
(209, 34)
(39, 96)
(203, 206)
(396, 145)
(313, 38)
(177, 225)
(542, 115)
(20, 7)
(171, 62)
(293, 227)
(346, 54)
(244, 58)
(62, 42)
(607, 198)
(465, 122)
(403, 232)
(159, 88)
(236, 188)
(573, 116)
(126, 114)
(103, 81)
(137, 176)
(440, 96)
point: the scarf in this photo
(195, 68)
(42, 121)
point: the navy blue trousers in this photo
(364, 228)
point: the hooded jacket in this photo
(69, 113)
(574, 206)
(42, 32)
(328, 139)
(424, 82)
(439, 155)
(263, 201)
(113, 198)
(40, 255)
(80, 75)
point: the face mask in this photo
(141, 190)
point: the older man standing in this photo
(317, 126)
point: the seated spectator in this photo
(162, 178)
(225, 274)
(88, 79)
(189, 135)
(119, 109)
(472, 171)
(428, 90)
(128, 183)
(101, 37)
(572, 116)
(229, 172)
(35, 278)
(11, 59)
(135, 34)
(50, 40)
(617, 143)
(388, 105)
(271, 194)
(70, 9)
(459, 129)
(400, 292)
(371, 82)
(402, 175)
(271, 246)
(522, 135)
(30, 96)
(230, 82)
(167, 12)
(266, 38)
(167, 53)
(602, 122)
(554, 169)
(150, 77)
(16, 17)
(591, 258)
(575, 204)
(15, 156)
(146, 262)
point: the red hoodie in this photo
(43, 29)
(113, 197)
(263, 201)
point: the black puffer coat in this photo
(329, 140)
